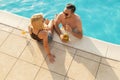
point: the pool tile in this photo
(14, 45)
(83, 69)
(24, 24)
(34, 53)
(22, 33)
(23, 71)
(108, 73)
(95, 46)
(109, 62)
(88, 55)
(113, 52)
(67, 78)
(48, 75)
(5, 28)
(6, 63)
(64, 47)
(91, 45)
(3, 36)
(62, 61)
(10, 19)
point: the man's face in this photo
(67, 13)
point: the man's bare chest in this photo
(71, 23)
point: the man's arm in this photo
(56, 23)
(77, 33)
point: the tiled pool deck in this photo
(22, 58)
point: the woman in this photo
(42, 31)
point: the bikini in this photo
(35, 36)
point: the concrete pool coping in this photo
(87, 44)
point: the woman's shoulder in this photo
(42, 34)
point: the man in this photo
(70, 22)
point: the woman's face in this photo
(40, 22)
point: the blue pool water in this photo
(100, 18)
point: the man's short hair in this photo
(71, 7)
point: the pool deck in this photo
(22, 58)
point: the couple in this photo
(42, 29)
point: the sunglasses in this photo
(66, 14)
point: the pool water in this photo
(100, 19)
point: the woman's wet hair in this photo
(34, 21)
(36, 17)
(71, 7)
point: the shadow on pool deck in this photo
(78, 67)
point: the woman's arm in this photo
(57, 21)
(44, 36)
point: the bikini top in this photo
(35, 36)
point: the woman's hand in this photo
(51, 58)
(46, 21)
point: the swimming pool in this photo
(100, 19)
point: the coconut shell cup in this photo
(65, 37)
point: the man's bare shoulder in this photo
(77, 16)
(59, 15)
